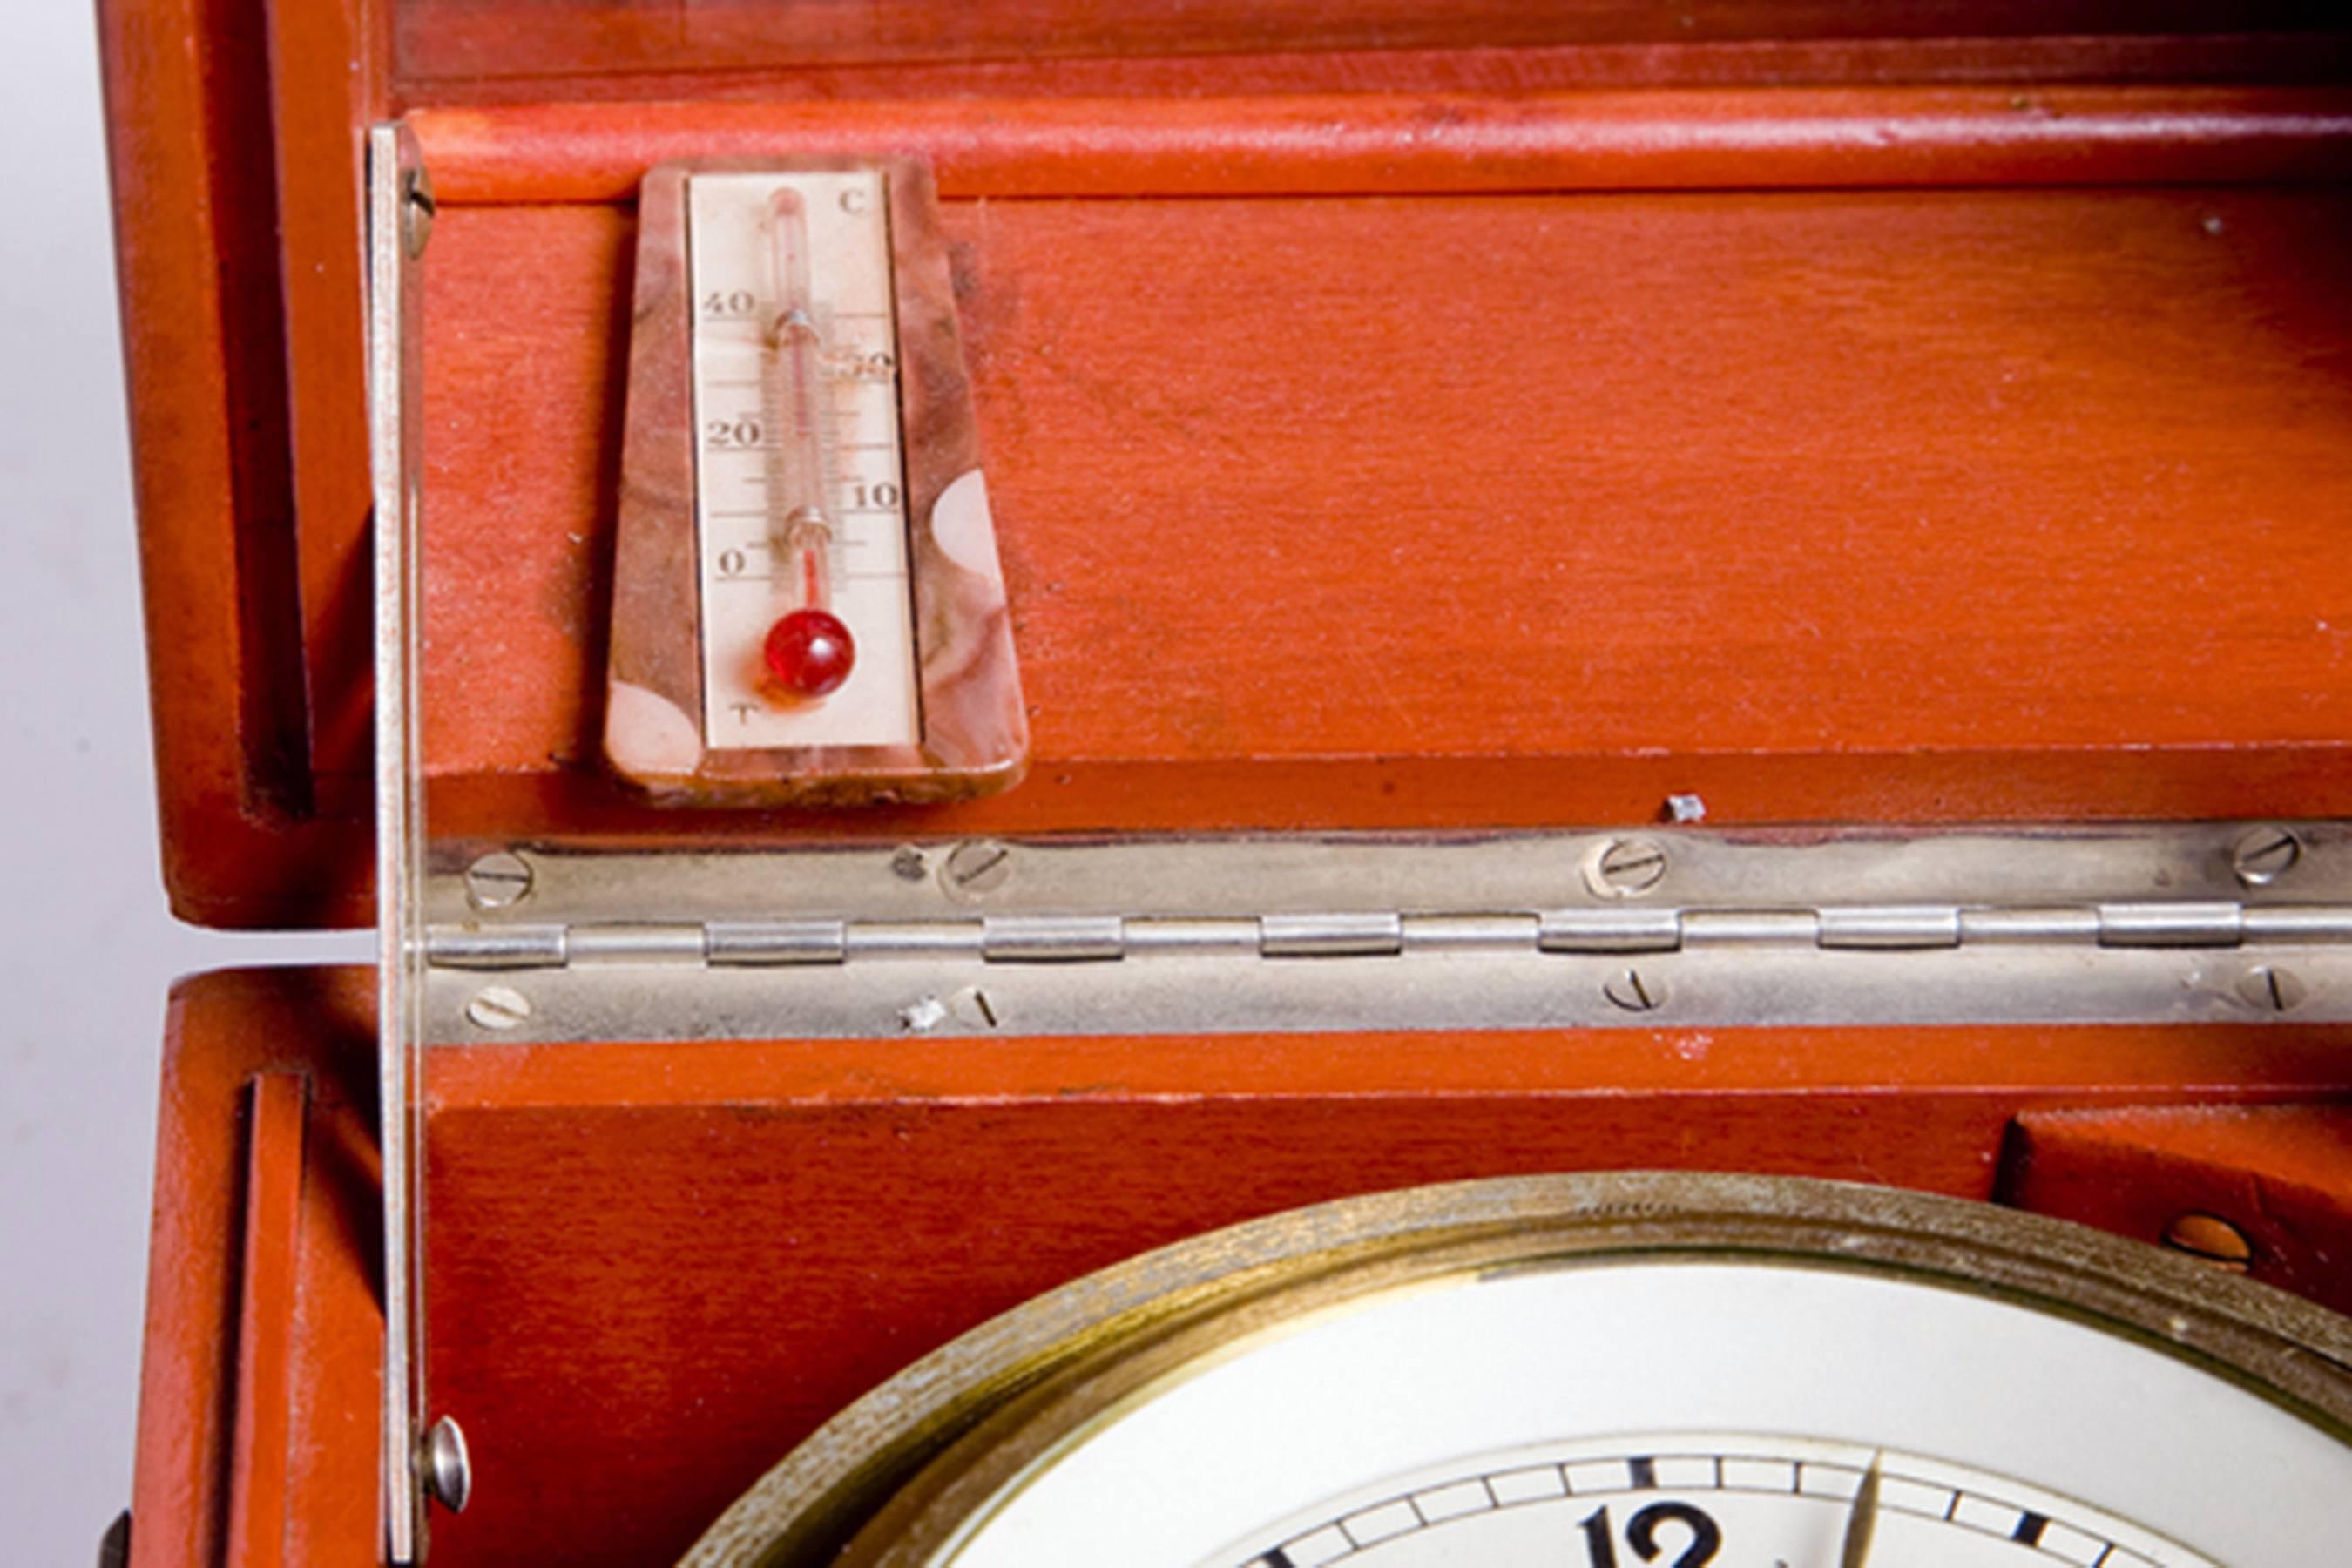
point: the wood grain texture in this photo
(475, 38)
(320, 101)
(2280, 1174)
(1822, 504)
(234, 669)
(2315, 57)
(195, 224)
(222, 1033)
(654, 1268)
(677, 1263)
(258, 1493)
(1219, 144)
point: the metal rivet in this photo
(448, 1473)
(2271, 989)
(2262, 855)
(495, 881)
(498, 1007)
(980, 867)
(417, 208)
(2212, 1240)
(1626, 867)
(908, 864)
(1634, 991)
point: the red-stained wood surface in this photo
(272, 1243)
(2282, 1175)
(2019, 61)
(261, 1348)
(674, 1262)
(1823, 504)
(1409, 144)
(1540, 627)
(464, 39)
(322, 95)
(651, 1269)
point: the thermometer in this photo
(808, 606)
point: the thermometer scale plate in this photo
(808, 607)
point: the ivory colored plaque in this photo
(807, 606)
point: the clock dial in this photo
(1706, 1500)
(1623, 1372)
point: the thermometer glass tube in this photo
(808, 652)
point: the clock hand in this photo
(1855, 1551)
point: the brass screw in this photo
(2212, 1240)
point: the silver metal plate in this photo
(1672, 928)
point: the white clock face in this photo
(1706, 1500)
(1627, 1413)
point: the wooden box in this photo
(1400, 417)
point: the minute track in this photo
(2006, 1518)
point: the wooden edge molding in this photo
(1395, 143)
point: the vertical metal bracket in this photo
(398, 204)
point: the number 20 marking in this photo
(1642, 1535)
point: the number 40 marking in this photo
(1642, 1535)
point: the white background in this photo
(86, 949)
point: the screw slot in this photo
(1626, 867)
(2262, 855)
(976, 869)
(495, 881)
(1634, 991)
(498, 1007)
(417, 209)
(2271, 989)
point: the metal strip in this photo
(395, 423)
(1466, 991)
(1518, 930)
